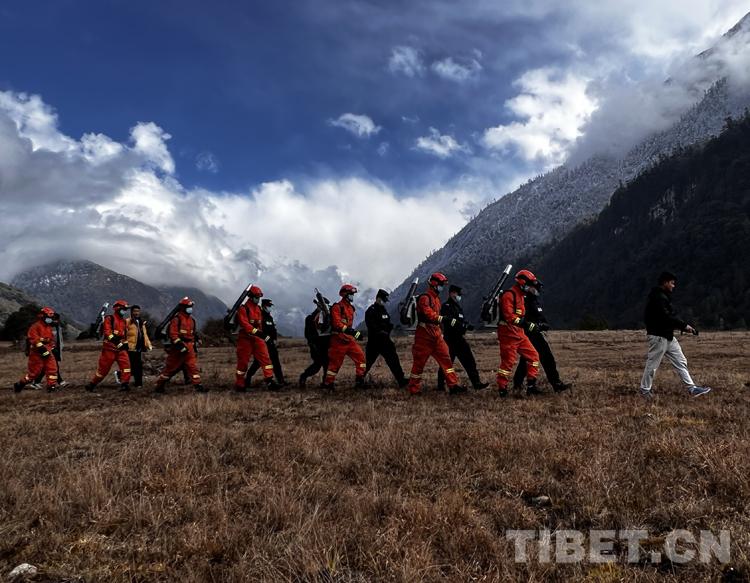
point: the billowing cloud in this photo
(407, 61)
(361, 126)
(440, 145)
(458, 71)
(552, 107)
(121, 205)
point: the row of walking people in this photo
(440, 334)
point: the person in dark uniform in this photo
(269, 328)
(379, 342)
(455, 337)
(535, 315)
(318, 341)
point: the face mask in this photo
(48, 320)
(440, 288)
(458, 298)
(350, 297)
(188, 310)
(269, 310)
(256, 301)
(122, 313)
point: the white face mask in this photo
(458, 298)
(350, 297)
(440, 288)
(256, 301)
(188, 310)
(48, 320)
(269, 310)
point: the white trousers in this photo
(658, 348)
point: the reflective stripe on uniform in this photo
(126, 370)
(242, 372)
(268, 366)
(450, 370)
(503, 372)
(415, 376)
(535, 364)
(363, 365)
(196, 376)
(330, 373)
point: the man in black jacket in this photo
(455, 338)
(379, 342)
(318, 342)
(535, 315)
(269, 329)
(661, 322)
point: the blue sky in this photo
(326, 139)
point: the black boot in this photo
(159, 388)
(200, 388)
(52, 388)
(272, 385)
(302, 381)
(502, 393)
(124, 387)
(359, 383)
(18, 387)
(90, 387)
(479, 385)
(403, 382)
(531, 388)
(457, 390)
(560, 386)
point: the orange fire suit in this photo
(114, 348)
(251, 343)
(41, 343)
(342, 344)
(513, 341)
(181, 352)
(428, 342)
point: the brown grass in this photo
(371, 486)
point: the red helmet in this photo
(347, 289)
(525, 277)
(255, 291)
(47, 312)
(437, 279)
(187, 302)
(120, 305)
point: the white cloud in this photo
(383, 149)
(406, 60)
(361, 126)
(457, 71)
(552, 108)
(151, 142)
(120, 205)
(437, 144)
(207, 162)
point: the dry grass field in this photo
(373, 485)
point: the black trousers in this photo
(546, 359)
(459, 348)
(273, 352)
(319, 355)
(384, 347)
(136, 367)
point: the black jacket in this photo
(378, 322)
(534, 310)
(660, 318)
(269, 326)
(451, 309)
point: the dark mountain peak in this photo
(79, 287)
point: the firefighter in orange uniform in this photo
(510, 334)
(428, 338)
(182, 333)
(114, 348)
(344, 338)
(41, 343)
(251, 341)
